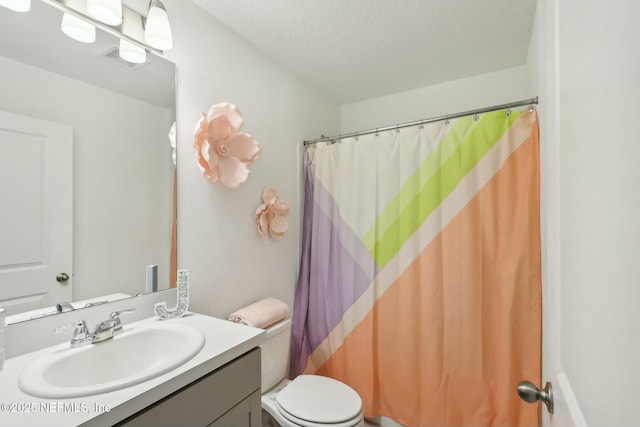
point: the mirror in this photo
(87, 177)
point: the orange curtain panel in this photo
(420, 277)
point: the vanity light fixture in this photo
(141, 29)
(78, 29)
(106, 11)
(132, 53)
(132, 26)
(157, 31)
(17, 5)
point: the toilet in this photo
(308, 400)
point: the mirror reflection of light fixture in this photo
(78, 29)
(132, 53)
(132, 27)
(107, 11)
(143, 29)
(17, 5)
(157, 31)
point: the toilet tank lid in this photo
(320, 399)
(276, 328)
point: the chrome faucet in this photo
(81, 335)
(110, 327)
(63, 307)
(104, 330)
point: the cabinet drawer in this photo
(205, 400)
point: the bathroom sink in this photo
(142, 352)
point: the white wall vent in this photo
(113, 55)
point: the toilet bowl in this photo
(307, 400)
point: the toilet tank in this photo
(275, 354)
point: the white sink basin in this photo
(142, 352)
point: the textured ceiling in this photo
(361, 49)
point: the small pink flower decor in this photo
(224, 153)
(272, 214)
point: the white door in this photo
(567, 412)
(36, 212)
(588, 66)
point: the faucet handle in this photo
(116, 314)
(81, 327)
(116, 324)
(81, 334)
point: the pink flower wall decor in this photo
(272, 214)
(224, 153)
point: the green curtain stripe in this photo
(458, 132)
(488, 130)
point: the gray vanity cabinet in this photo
(228, 396)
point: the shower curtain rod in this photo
(425, 121)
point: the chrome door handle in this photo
(62, 277)
(530, 393)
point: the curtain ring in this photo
(421, 125)
(530, 108)
(475, 117)
(397, 129)
(508, 112)
(377, 133)
(447, 122)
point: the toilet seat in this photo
(317, 401)
(306, 423)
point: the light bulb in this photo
(107, 11)
(132, 53)
(157, 31)
(78, 29)
(17, 5)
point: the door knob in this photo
(62, 277)
(530, 393)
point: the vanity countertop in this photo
(225, 341)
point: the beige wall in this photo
(451, 97)
(230, 265)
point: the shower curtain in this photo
(420, 277)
